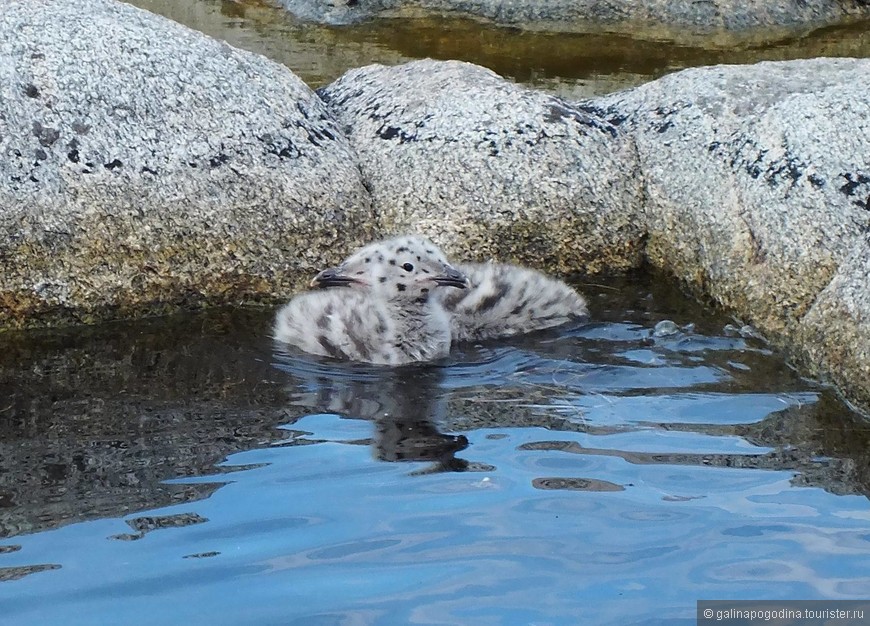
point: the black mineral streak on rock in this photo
(790, 168)
(749, 157)
(816, 181)
(316, 136)
(664, 114)
(31, 91)
(114, 164)
(853, 181)
(561, 112)
(218, 160)
(611, 115)
(391, 132)
(46, 136)
(287, 151)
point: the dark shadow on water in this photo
(94, 421)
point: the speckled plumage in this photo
(385, 304)
(506, 300)
(378, 306)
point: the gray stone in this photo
(143, 164)
(757, 186)
(751, 184)
(836, 330)
(488, 169)
(756, 177)
(677, 19)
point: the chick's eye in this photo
(408, 267)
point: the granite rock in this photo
(757, 187)
(145, 165)
(835, 332)
(488, 169)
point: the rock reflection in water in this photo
(94, 419)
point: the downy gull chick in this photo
(506, 300)
(380, 306)
(501, 300)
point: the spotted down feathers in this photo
(507, 300)
(401, 301)
(378, 306)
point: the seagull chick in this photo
(506, 300)
(378, 306)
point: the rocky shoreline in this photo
(677, 20)
(146, 166)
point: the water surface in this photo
(572, 65)
(184, 470)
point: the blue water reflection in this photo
(610, 490)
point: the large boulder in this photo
(677, 19)
(489, 169)
(757, 187)
(145, 164)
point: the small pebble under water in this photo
(182, 470)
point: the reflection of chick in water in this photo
(405, 403)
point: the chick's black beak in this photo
(450, 277)
(332, 277)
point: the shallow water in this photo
(572, 65)
(182, 470)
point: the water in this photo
(574, 66)
(182, 470)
